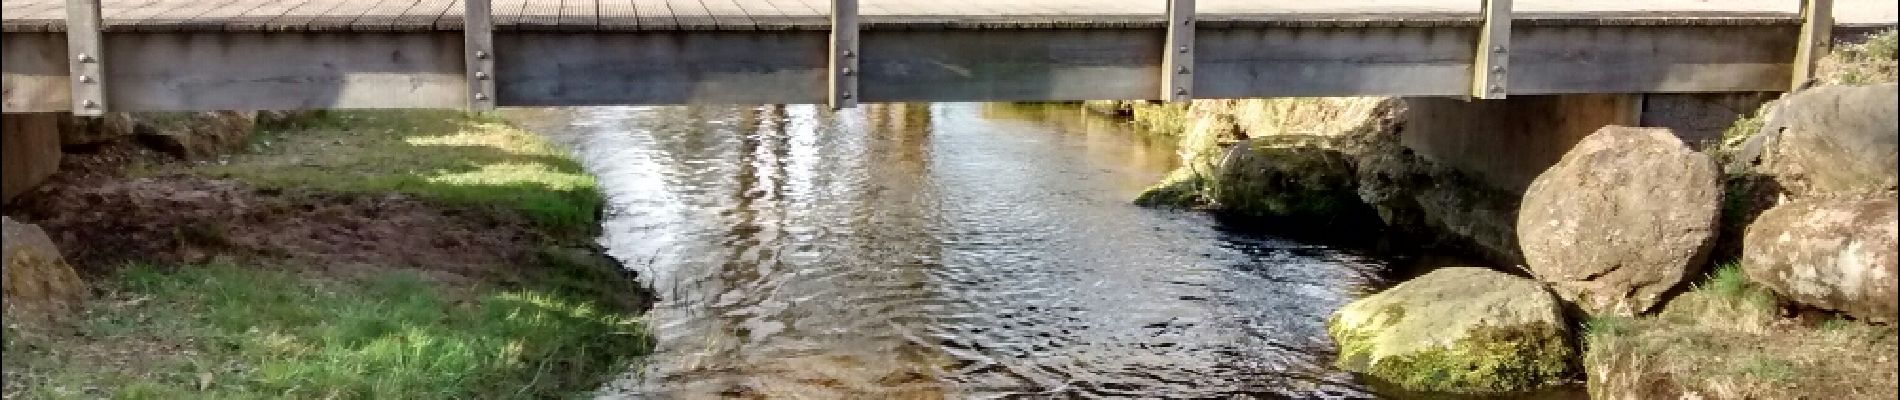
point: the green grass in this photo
(1874, 60)
(448, 157)
(222, 331)
(1728, 282)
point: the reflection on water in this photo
(943, 251)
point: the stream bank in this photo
(412, 254)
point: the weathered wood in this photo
(86, 48)
(1177, 57)
(842, 90)
(478, 52)
(37, 76)
(1651, 59)
(193, 71)
(654, 15)
(1492, 61)
(1817, 25)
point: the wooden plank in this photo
(540, 15)
(729, 15)
(259, 18)
(451, 18)
(1177, 59)
(383, 16)
(1492, 59)
(580, 14)
(508, 13)
(691, 15)
(221, 18)
(1301, 62)
(86, 54)
(340, 18)
(1651, 59)
(619, 15)
(654, 15)
(478, 44)
(422, 16)
(36, 77)
(1817, 26)
(299, 18)
(200, 71)
(842, 89)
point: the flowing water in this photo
(945, 251)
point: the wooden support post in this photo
(1177, 60)
(85, 53)
(843, 86)
(1817, 30)
(1490, 69)
(478, 43)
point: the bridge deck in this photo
(747, 15)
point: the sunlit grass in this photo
(444, 156)
(223, 331)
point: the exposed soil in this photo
(101, 219)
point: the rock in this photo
(1836, 139)
(1836, 254)
(1624, 217)
(199, 135)
(80, 131)
(1459, 330)
(38, 283)
(1269, 177)
(30, 143)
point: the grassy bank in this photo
(1728, 339)
(490, 289)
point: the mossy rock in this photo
(1457, 330)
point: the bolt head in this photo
(85, 58)
(1497, 88)
(1180, 91)
(85, 79)
(1183, 49)
(89, 104)
(481, 55)
(1497, 69)
(481, 96)
(847, 71)
(849, 54)
(479, 75)
(1497, 49)
(1182, 70)
(845, 95)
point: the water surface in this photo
(944, 251)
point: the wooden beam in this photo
(478, 48)
(86, 49)
(1490, 67)
(1177, 59)
(842, 87)
(1817, 29)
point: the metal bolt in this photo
(481, 55)
(1187, 22)
(1180, 91)
(1497, 69)
(845, 95)
(1497, 49)
(480, 75)
(1183, 49)
(847, 71)
(1497, 88)
(849, 54)
(1183, 70)
(85, 79)
(85, 58)
(89, 104)
(481, 96)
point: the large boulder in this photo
(1625, 216)
(38, 283)
(196, 135)
(1458, 330)
(1837, 254)
(1836, 139)
(29, 148)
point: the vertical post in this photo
(1177, 60)
(478, 43)
(843, 85)
(86, 56)
(1817, 29)
(1492, 64)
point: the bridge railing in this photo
(1490, 70)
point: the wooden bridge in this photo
(174, 55)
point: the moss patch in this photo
(1490, 360)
